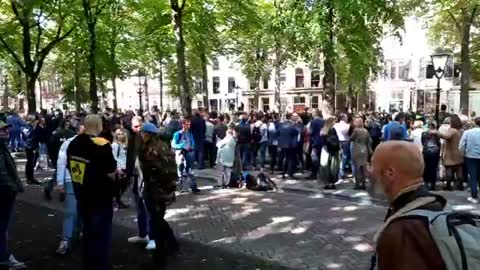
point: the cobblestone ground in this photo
(294, 230)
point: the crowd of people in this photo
(97, 158)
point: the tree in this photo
(182, 80)
(462, 15)
(92, 10)
(333, 29)
(30, 32)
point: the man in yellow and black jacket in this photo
(92, 168)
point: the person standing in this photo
(43, 133)
(361, 150)
(416, 134)
(220, 129)
(260, 139)
(300, 127)
(287, 142)
(316, 142)
(119, 150)
(199, 129)
(330, 155)
(226, 157)
(92, 168)
(31, 145)
(431, 146)
(470, 146)
(403, 243)
(16, 125)
(272, 140)
(452, 157)
(65, 187)
(10, 186)
(342, 128)
(160, 177)
(134, 176)
(183, 143)
(209, 142)
(244, 140)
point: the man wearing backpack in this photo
(396, 130)
(405, 241)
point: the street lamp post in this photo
(141, 77)
(439, 61)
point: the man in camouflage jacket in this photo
(160, 178)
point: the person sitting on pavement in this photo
(92, 168)
(10, 186)
(159, 171)
(184, 145)
(396, 173)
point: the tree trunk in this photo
(160, 81)
(182, 83)
(276, 93)
(206, 102)
(114, 89)
(465, 59)
(147, 97)
(92, 67)
(329, 68)
(256, 98)
(78, 105)
(5, 94)
(31, 97)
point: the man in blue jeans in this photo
(10, 185)
(92, 168)
(470, 146)
(183, 143)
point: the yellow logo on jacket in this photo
(77, 171)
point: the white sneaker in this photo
(138, 240)
(15, 265)
(151, 245)
(472, 200)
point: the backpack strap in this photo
(407, 208)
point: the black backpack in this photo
(256, 135)
(262, 183)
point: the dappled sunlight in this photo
(353, 238)
(463, 207)
(225, 240)
(317, 196)
(176, 211)
(350, 208)
(339, 231)
(349, 219)
(363, 247)
(303, 227)
(239, 200)
(334, 266)
(245, 213)
(267, 200)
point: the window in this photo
(298, 103)
(404, 70)
(393, 71)
(252, 84)
(251, 104)
(283, 104)
(266, 104)
(315, 102)
(216, 85)
(265, 83)
(213, 105)
(215, 64)
(315, 80)
(283, 78)
(231, 84)
(299, 82)
(199, 104)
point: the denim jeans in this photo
(245, 154)
(186, 171)
(7, 201)
(473, 167)
(345, 158)
(287, 160)
(143, 217)
(15, 140)
(431, 169)
(97, 236)
(70, 218)
(262, 148)
(272, 152)
(200, 154)
(316, 154)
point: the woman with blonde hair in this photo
(329, 157)
(119, 150)
(416, 134)
(361, 151)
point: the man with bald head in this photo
(404, 242)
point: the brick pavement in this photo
(296, 230)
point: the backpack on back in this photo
(256, 135)
(457, 235)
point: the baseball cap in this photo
(150, 128)
(4, 125)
